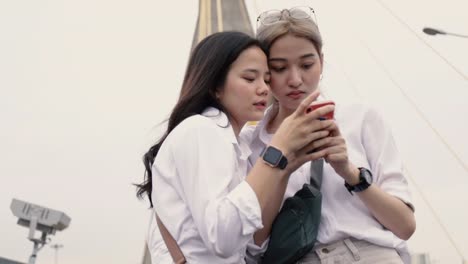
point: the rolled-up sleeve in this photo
(245, 200)
(226, 214)
(255, 252)
(384, 158)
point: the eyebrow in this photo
(255, 71)
(308, 55)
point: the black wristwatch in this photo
(365, 180)
(274, 157)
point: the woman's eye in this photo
(267, 81)
(278, 69)
(249, 79)
(307, 66)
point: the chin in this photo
(292, 106)
(256, 117)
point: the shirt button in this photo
(325, 250)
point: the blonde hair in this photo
(304, 28)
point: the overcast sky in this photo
(84, 84)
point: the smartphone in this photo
(319, 104)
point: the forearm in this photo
(296, 132)
(269, 214)
(390, 211)
(269, 184)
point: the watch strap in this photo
(283, 163)
(363, 183)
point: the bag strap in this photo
(171, 243)
(316, 173)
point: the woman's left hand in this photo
(390, 211)
(336, 154)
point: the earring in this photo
(321, 76)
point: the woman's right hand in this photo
(299, 130)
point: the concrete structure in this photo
(218, 15)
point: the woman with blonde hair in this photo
(366, 209)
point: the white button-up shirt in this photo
(370, 144)
(200, 192)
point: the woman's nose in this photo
(295, 78)
(263, 89)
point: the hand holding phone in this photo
(319, 104)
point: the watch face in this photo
(367, 175)
(272, 155)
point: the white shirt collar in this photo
(260, 129)
(219, 117)
(221, 120)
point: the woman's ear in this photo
(218, 94)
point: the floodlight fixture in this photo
(433, 32)
(43, 219)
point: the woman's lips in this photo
(295, 94)
(260, 105)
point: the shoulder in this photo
(210, 128)
(195, 128)
(194, 123)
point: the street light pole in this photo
(433, 32)
(56, 247)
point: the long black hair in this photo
(206, 74)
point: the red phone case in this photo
(316, 105)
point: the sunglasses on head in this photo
(273, 16)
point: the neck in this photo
(277, 119)
(236, 127)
